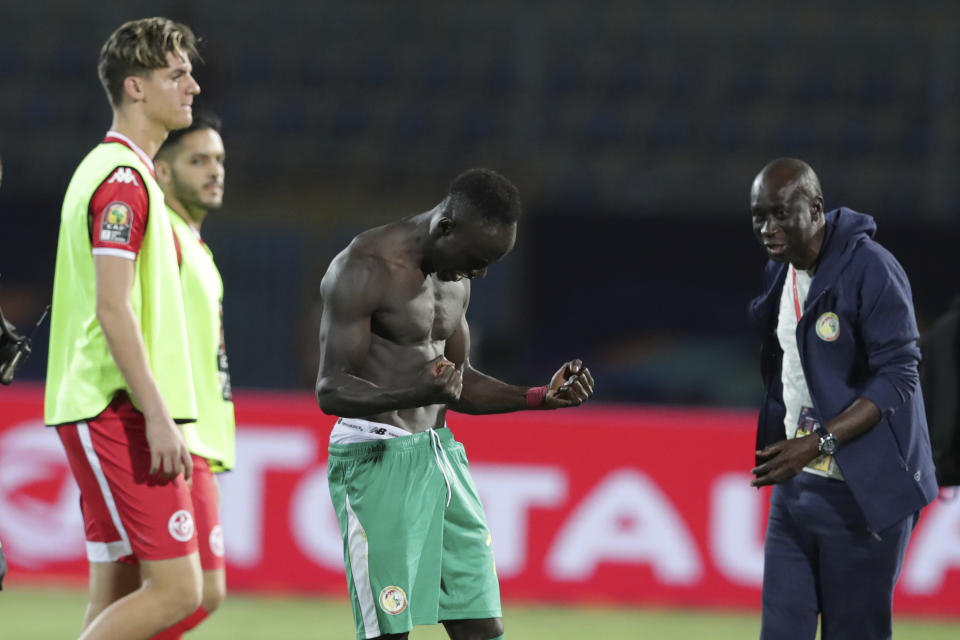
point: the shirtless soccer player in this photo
(394, 347)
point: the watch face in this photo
(828, 445)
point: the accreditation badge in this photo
(809, 425)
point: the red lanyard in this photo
(796, 298)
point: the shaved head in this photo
(791, 173)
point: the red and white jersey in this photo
(119, 207)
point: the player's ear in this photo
(445, 226)
(163, 170)
(816, 208)
(441, 226)
(441, 222)
(133, 87)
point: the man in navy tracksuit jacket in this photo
(839, 364)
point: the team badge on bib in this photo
(393, 600)
(828, 327)
(181, 525)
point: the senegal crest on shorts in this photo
(828, 327)
(393, 600)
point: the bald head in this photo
(787, 206)
(792, 174)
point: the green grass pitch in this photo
(41, 613)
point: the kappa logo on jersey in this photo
(124, 175)
(181, 525)
(116, 222)
(393, 600)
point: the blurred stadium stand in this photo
(632, 129)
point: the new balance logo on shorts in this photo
(124, 175)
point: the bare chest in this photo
(416, 311)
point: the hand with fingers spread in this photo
(783, 460)
(169, 456)
(570, 386)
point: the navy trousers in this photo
(821, 559)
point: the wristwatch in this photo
(828, 444)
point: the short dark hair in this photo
(495, 198)
(201, 122)
(138, 47)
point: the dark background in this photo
(632, 130)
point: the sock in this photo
(176, 631)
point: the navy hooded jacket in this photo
(867, 349)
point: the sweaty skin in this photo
(389, 323)
(394, 339)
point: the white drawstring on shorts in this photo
(437, 452)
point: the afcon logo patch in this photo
(216, 541)
(118, 213)
(181, 525)
(393, 600)
(828, 327)
(116, 222)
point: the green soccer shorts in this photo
(417, 548)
